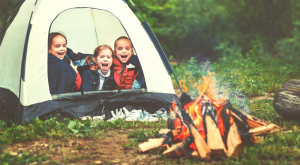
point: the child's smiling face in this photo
(104, 60)
(123, 50)
(58, 47)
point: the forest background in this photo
(207, 28)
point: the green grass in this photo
(253, 73)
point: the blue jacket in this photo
(91, 81)
(61, 75)
(139, 81)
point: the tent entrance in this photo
(87, 28)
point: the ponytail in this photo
(92, 63)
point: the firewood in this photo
(252, 121)
(236, 116)
(151, 144)
(262, 129)
(178, 148)
(234, 142)
(214, 139)
(164, 131)
(157, 142)
(200, 144)
(195, 154)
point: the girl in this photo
(63, 76)
(128, 72)
(99, 76)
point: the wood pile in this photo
(210, 142)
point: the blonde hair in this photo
(91, 61)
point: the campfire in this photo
(208, 127)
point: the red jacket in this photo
(129, 75)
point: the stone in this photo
(13, 153)
(287, 100)
(98, 162)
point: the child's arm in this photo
(139, 79)
(134, 60)
(76, 56)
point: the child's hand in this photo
(74, 66)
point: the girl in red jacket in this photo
(126, 65)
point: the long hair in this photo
(52, 35)
(91, 61)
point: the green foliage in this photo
(81, 127)
(257, 72)
(6, 7)
(290, 47)
(185, 28)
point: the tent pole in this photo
(22, 76)
(137, 10)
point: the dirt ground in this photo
(109, 150)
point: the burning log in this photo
(201, 146)
(252, 121)
(214, 139)
(234, 142)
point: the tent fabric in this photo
(108, 32)
(89, 106)
(86, 25)
(11, 49)
(70, 22)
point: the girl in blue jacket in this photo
(63, 76)
(100, 75)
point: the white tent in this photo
(86, 24)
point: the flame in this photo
(207, 92)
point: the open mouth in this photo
(124, 56)
(104, 67)
(62, 53)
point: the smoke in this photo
(223, 89)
